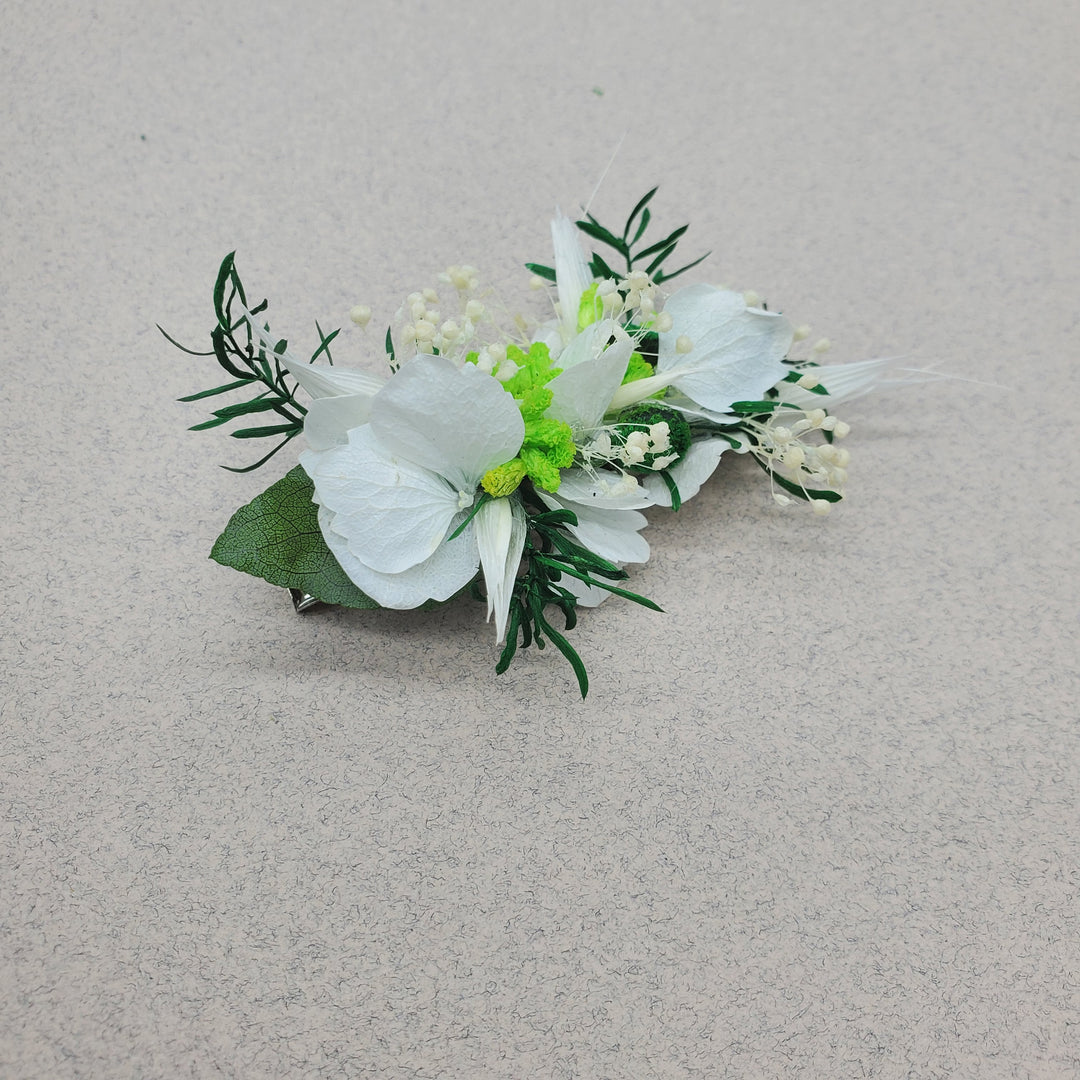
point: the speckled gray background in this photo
(817, 820)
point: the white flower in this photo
(718, 351)
(391, 494)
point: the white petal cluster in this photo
(393, 489)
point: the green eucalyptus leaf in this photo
(218, 389)
(641, 204)
(276, 537)
(598, 232)
(265, 432)
(546, 272)
(661, 276)
(262, 403)
(600, 269)
(655, 264)
(642, 226)
(668, 241)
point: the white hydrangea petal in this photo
(689, 474)
(392, 514)
(500, 538)
(456, 422)
(603, 488)
(736, 351)
(572, 276)
(582, 393)
(330, 419)
(611, 534)
(452, 566)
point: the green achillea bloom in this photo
(548, 445)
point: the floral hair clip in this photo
(512, 460)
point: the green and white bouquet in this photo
(512, 459)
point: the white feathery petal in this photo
(392, 514)
(321, 381)
(451, 567)
(847, 381)
(572, 276)
(459, 423)
(500, 537)
(689, 474)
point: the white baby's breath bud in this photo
(536, 282)
(781, 500)
(606, 287)
(841, 429)
(801, 332)
(424, 330)
(506, 370)
(808, 381)
(431, 296)
(664, 322)
(794, 457)
(683, 345)
(450, 330)
(828, 423)
(458, 277)
(497, 351)
(361, 315)
(817, 417)
(418, 309)
(820, 506)
(822, 345)
(842, 457)
(751, 298)
(474, 310)
(638, 280)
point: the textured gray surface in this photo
(817, 820)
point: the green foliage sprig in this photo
(241, 352)
(657, 253)
(550, 553)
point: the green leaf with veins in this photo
(276, 537)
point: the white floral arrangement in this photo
(512, 459)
